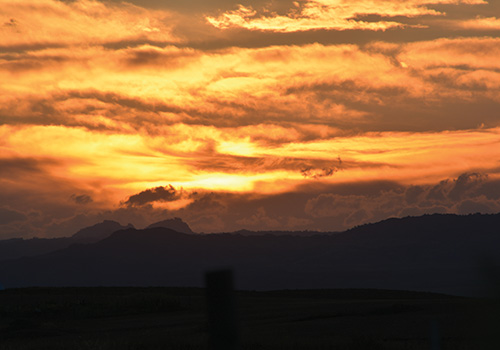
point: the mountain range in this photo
(440, 253)
(18, 247)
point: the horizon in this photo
(127, 226)
(317, 115)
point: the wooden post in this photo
(435, 336)
(221, 304)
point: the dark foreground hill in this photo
(440, 253)
(175, 318)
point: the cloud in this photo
(98, 23)
(480, 24)
(289, 88)
(112, 101)
(81, 199)
(339, 206)
(452, 53)
(317, 206)
(157, 194)
(464, 184)
(260, 219)
(8, 216)
(462, 195)
(13, 167)
(165, 58)
(327, 205)
(310, 172)
(478, 205)
(329, 15)
(312, 17)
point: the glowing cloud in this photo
(481, 23)
(51, 22)
(112, 110)
(330, 15)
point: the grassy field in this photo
(175, 318)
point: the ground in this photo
(175, 318)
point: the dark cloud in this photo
(418, 211)
(8, 216)
(208, 203)
(166, 58)
(308, 167)
(157, 194)
(310, 172)
(52, 110)
(260, 219)
(477, 205)
(490, 189)
(414, 194)
(315, 206)
(19, 62)
(356, 217)
(383, 105)
(329, 204)
(14, 166)
(462, 195)
(465, 183)
(81, 199)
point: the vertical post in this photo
(222, 323)
(435, 337)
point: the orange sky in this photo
(290, 115)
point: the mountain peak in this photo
(175, 224)
(99, 231)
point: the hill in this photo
(438, 253)
(98, 231)
(175, 224)
(18, 247)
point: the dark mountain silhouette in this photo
(18, 247)
(439, 253)
(175, 224)
(306, 233)
(99, 231)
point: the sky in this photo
(259, 115)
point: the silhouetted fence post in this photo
(435, 336)
(221, 304)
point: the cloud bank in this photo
(144, 109)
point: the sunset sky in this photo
(259, 115)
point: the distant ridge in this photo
(448, 254)
(17, 247)
(175, 224)
(98, 231)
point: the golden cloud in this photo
(81, 22)
(480, 23)
(331, 15)
(98, 101)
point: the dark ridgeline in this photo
(175, 224)
(18, 247)
(439, 253)
(98, 232)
